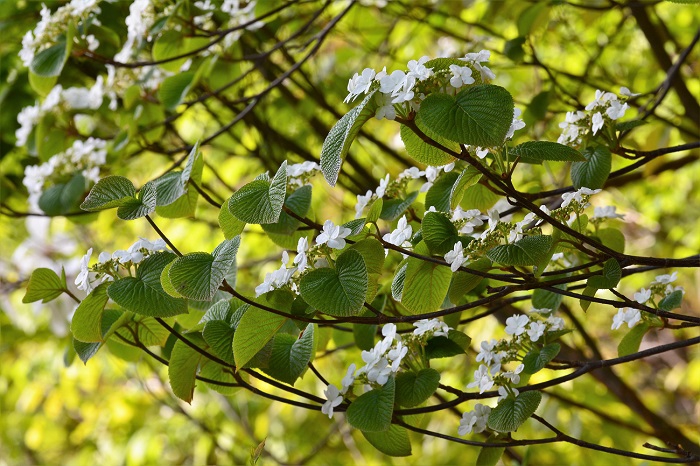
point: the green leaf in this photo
(182, 369)
(588, 291)
(174, 88)
(85, 351)
(340, 137)
(111, 320)
(439, 233)
(375, 211)
(338, 292)
(198, 275)
(423, 152)
(426, 283)
(469, 177)
(440, 193)
(539, 151)
(413, 388)
(40, 84)
(479, 115)
(185, 205)
(261, 201)
(463, 282)
(44, 285)
(545, 299)
(536, 359)
(514, 50)
(213, 371)
(49, 62)
(528, 251)
(612, 238)
(479, 197)
(86, 324)
(291, 355)
(219, 336)
(169, 188)
(372, 411)
(612, 273)
(142, 205)
(398, 282)
(632, 340)
(151, 333)
(364, 335)
(529, 17)
(631, 124)
(394, 208)
(595, 171)
(454, 344)
(512, 412)
(143, 294)
(109, 192)
(172, 43)
(298, 202)
(372, 252)
(489, 456)
(392, 442)
(230, 225)
(671, 301)
(63, 198)
(258, 326)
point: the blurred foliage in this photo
(551, 56)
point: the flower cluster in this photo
(401, 90)
(108, 265)
(605, 107)
(53, 25)
(299, 174)
(474, 421)
(384, 360)
(659, 289)
(57, 101)
(526, 333)
(85, 157)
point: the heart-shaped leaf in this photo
(392, 442)
(426, 283)
(421, 151)
(338, 292)
(261, 201)
(539, 151)
(86, 324)
(536, 359)
(612, 273)
(291, 355)
(439, 233)
(109, 192)
(372, 411)
(44, 285)
(413, 388)
(142, 205)
(512, 412)
(198, 275)
(528, 251)
(479, 115)
(595, 171)
(631, 342)
(219, 336)
(143, 294)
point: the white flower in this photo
(386, 107)
(381, 189)
(481, 152)
(626, 92)
(412, 173)
(536, 330)
(555, 323)
(642, 296)
(405, 92)
(276, 279)
(380, 372)
(349, 379)
(665, 279)
(515, 325)
(577, 195)
(494, 218)
(514, 376)
(482, 379)
(298, 169)
(389, 331)
(456, 257)
(362, 202)
(402, 233)
(597, 122)
(461, 76)
(333, 235)
(628, 316)
(486, 353)
(396, 354)
(503, 393)
(424, 326)
(82, 281)
(360, 83)
(392, 83)
(516, 124)
(474, 421)
(616, 110)
(418, 70)
(606, 212)
(301, 260)
(334, 399)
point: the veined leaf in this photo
(198, 275)
(86, 324)
(479, 115)
(539, 151)
(439, 234)
(612, 273)
(632, 340)
(469, 177)
(174, 88)
(142, 205)
(392, 442)
(512, 412)
(340, 137)
(338, 292)
(44, 285)
(109, 192)
(595, 171)
(413, 388)
(291, 355)
(372, 411)
(298, 202)
(536, 359)
(528, 251)
(261, 201)
(143, 294)
(426, 283)
(182, 368)
(423, 152)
